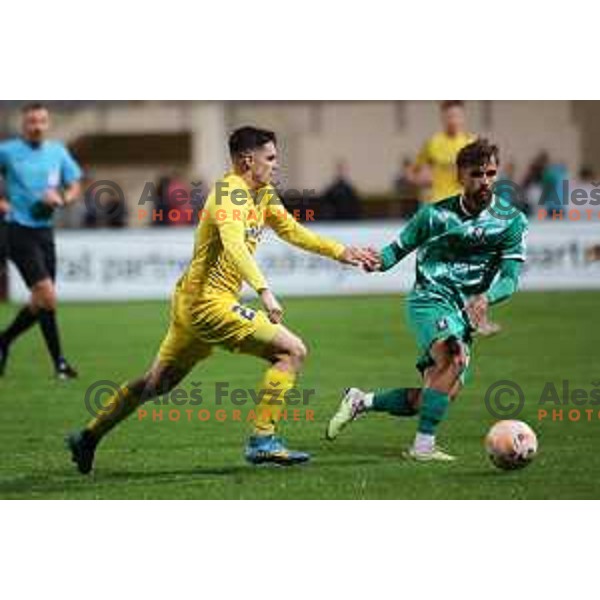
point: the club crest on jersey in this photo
(442, 324)
(477, 234)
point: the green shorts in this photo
(433, 317)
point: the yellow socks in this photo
(120, 405)
(275, 385)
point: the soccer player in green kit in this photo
(470, 250)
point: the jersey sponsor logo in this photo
(244, 311)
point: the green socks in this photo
(395, 402)
(434, 407)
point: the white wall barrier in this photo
(144, 264)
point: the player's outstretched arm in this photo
(416, 232)
(72, 193)
(288, 229)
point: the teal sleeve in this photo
(505, 285)
(416, 232)
(391, 255)
(515, 241)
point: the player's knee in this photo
(449, 354)
(441, 376)
(414, 398)
(44, 296)
(294, 354)
(299, 351)
(441, 384)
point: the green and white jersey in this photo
(458, 254)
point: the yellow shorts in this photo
(196, 327)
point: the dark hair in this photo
(478, 153)
(33, 106)
(446, 104)
(246, 139)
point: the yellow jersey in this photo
(231, 226)
(440, 152)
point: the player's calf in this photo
(286, 352)
(43, 299)
(158, 380)
(442, 381)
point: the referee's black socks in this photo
(22, 322)
(49, 328)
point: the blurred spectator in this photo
(405, 187)
(115, 211)
(436, 161)
(553, 179)
(103, 206)
(175, 204)
(519, 199)
(341, 199)
(535, 171)
(586, 180)
(532, 181)
(180, 206)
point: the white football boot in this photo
(351, 407)
(433, 455)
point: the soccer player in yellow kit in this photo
(206, 311)
(440, 151)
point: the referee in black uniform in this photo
(40, 176)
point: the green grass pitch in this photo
(359, 341)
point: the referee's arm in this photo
(71, 193)
(71, 178)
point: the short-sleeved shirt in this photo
(29, 171)
(440, 152)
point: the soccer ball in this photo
(511, 444)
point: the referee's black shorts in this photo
(33, 252)
(3, 240)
